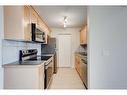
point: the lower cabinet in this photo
(84, 73)
(81, 68)
(77, 64)
(24, 77)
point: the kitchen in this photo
(41, 48)
(106, 26)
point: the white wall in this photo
(107, 58)
(75, 38)
(1, 36)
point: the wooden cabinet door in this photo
(84, 40)
(13, 22)
(77, 64)
(83, 35)
(39, 22)
(41, 77)
(84, 72)
(34, 17)
(27, 23)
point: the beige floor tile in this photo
(66, 78)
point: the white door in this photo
(64, 50)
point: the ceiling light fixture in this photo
(65, 21)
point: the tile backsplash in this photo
(82, 49)
(10, 50)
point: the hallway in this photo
(66, 78)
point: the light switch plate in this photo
(105, 52)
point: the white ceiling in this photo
(54, 15)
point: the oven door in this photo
(48, 73)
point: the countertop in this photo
(36, 63)
(81, 54)
(47, 54)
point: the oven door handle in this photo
(46, 67)
(47, 63)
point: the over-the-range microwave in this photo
(37, 34)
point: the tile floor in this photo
(66, 78)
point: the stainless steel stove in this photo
(29, 57)
(25, 55)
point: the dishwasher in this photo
(48, 72)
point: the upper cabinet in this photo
(34, 16)
(83, 35)
(17, 23)
(27, 24)
(14, 23)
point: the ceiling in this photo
(54, 15)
